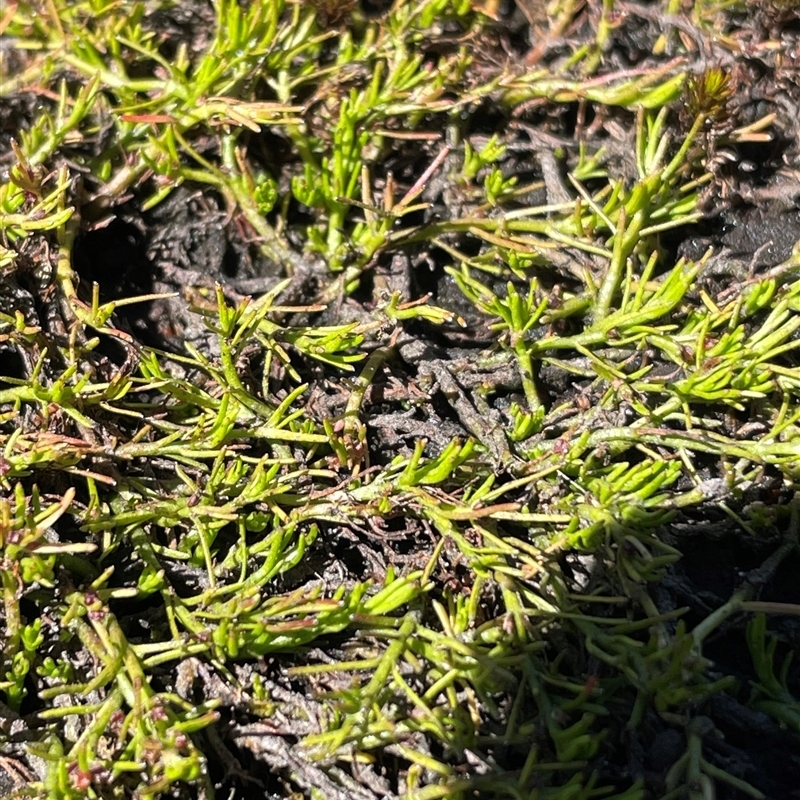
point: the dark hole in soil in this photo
(114, 257)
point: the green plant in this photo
(771, 693)
(166, 513)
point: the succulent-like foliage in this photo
(213, 534)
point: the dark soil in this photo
(187, 244)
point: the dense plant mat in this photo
(399, 400)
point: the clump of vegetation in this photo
(354, 393)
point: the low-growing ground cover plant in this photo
(399, 399)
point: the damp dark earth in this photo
(400, 400)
